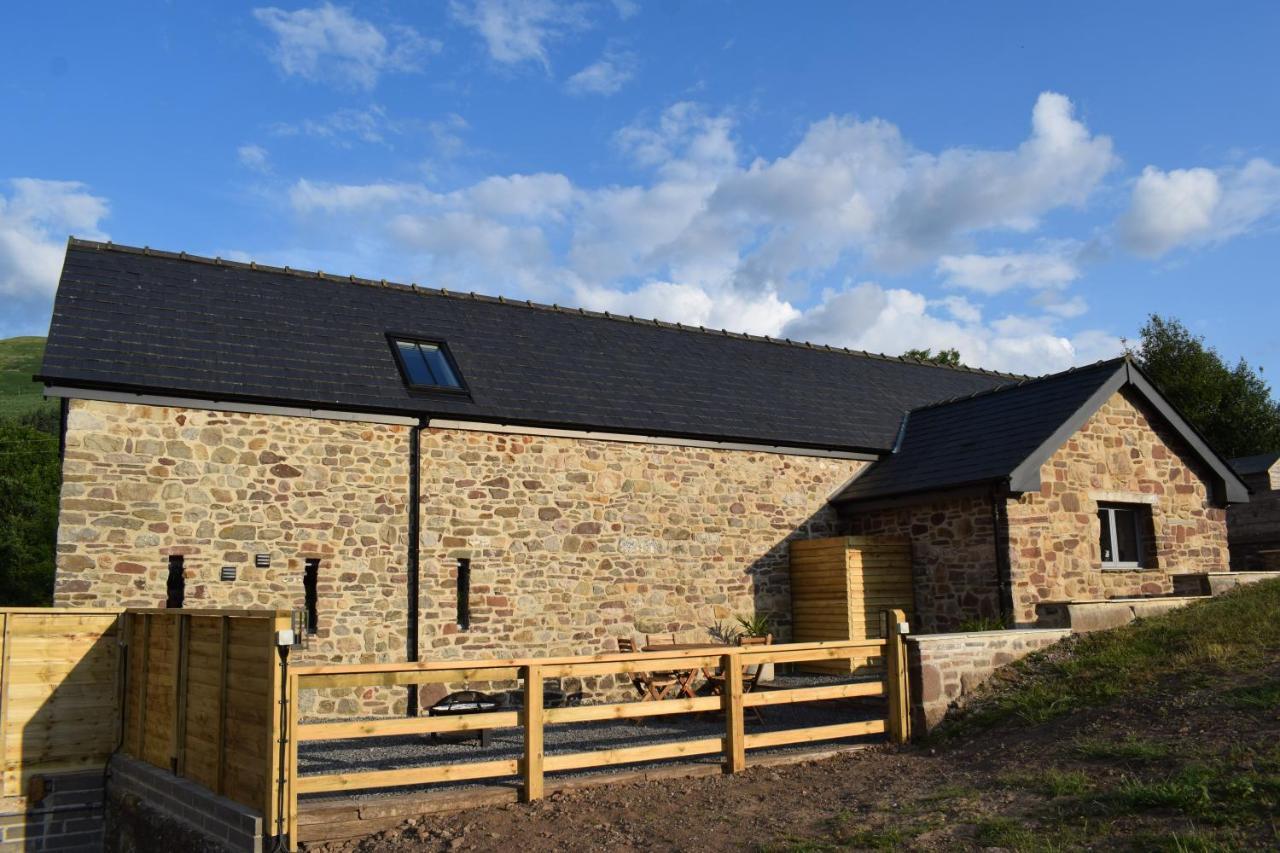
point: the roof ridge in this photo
(1024, 382)
(523, 303)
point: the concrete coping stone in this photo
(1007, 633)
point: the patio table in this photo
(684, 677)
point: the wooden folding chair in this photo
(750, 673)
(650, 685)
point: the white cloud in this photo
(255, 158)
(707, 238)
(330, 43)
(1004, 271)
(1190, 207)
(36, 218)
(605, 76)
(371, 124)
(517, 31)
(892, 320)
(319, 197)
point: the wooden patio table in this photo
(684, 677)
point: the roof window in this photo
(426, 365)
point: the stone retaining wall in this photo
(947, 667)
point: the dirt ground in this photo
(1106, 778)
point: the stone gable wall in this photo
(574, 543)
(1122, 452)
(952, 558)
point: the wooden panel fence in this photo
(841, 586)
(532, 718)
(59, 691)
(204, 699)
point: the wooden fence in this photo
(533, 717)
(204, 700)
(59, 691)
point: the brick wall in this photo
(68, 817)
(1123, 453)
(150, 810)
(952, 558)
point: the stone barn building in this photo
(434, 474)
(1253, 529)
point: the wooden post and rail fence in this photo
(532, 718)
(203, 694)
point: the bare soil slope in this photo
(1161, 735)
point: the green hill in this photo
(19, 361)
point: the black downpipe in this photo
(999, 536)
(415, 434)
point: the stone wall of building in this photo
(953, 557)
(1124, 453)
(574, 543)
(143, 482)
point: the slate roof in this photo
(978, 439)
(1257, 464)
(158, 323)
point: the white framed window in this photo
(1122, 535)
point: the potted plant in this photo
(758, 625)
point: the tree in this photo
(945, 357)
(1231, 407)
(29, 481)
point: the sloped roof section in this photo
(1001, 437)
(1259, 463)
(150, 322)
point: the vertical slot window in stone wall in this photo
(310, 594)
(176, 584)
(464, 593)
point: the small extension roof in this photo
(999, 438)
(1259, 463)
(157, 323)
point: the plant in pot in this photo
(758, 625)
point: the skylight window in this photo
(426, 365)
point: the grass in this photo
(1051, 782)
(1236, 633)
(19, 361)
(1130, 749)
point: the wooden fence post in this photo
(531, 768)
(735, 751)
(224, 639)
(178, 752)
(898, 722)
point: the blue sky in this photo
(1022, 181)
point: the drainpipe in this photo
(411, 652)
(1004, 575)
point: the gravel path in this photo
(408, 751)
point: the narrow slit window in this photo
(176, 584)
(464, 594)
(310, 577)
(427, 365)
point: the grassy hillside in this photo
(19, 360)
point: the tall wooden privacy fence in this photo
(59, 691)
(532, 718)
(203, 699)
